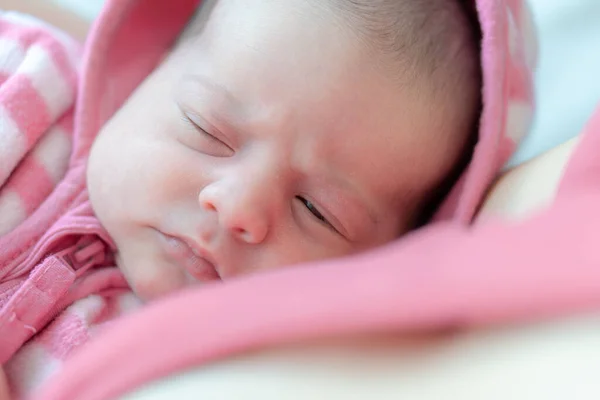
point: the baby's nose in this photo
(239, 211)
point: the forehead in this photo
(272, 36)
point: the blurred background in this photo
(568, 75)
(86, 8)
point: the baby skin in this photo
(275, 133)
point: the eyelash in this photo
(204, 132)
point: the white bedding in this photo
(548, 361)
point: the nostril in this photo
(209, 206)
(242, 234)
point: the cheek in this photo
(132, 177)
(131, 160)
(297, 249)
(159, 281)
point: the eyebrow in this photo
(215, 87)
(208, 83)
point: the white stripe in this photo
(12, 145)
(87, 309)
(11, 56)
(48, 81)
(29, 21)
(32, 366)
(53, 151)
(12, 212)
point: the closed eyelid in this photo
(356, 199)
(210, 120)
(339, 213)
(203, 124)
(348, 198)
(323, 215)
(201, 140)
(352, 224)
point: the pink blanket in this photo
(493, 274)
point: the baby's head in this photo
(285, 131)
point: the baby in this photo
(272, 133)
(282, 132)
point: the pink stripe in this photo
(67, 121)
(26, 107)
(57, 53)
(32, 183)
(26, 35)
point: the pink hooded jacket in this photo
(59, 253)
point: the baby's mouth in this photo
(187, 255)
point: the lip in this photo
(195, 260)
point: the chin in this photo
(150, 286)
(152, 289)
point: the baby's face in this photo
(267, 141)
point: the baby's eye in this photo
(215, 145)
(314, 211)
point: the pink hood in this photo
(131, 37)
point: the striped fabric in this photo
(46, 353)
(38, 86)
(38, 82)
